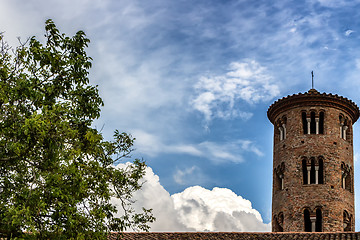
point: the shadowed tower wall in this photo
(313, 168)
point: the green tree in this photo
(57, 172)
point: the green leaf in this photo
(57, 173)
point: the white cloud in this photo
(356, 157)
(357, 63)
(181, 175)
(218, 209)
(348, 32)
(230, 151)
(190, 176)
(153, 195)
(219, 96)
(196, 208)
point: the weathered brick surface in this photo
(330, 197)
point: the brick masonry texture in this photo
(295, 196)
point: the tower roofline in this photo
(313, 98)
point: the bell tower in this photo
(313, 167)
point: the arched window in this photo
(344, 127)
(346, 178)
(281, 222)
(312, 220)
(279, 176)
(281, 125)
(321, 123)
(312, 171)
(304, 121)
(280, 129)
(318, 222)
(346, 221)
(275, 224)
(307, 222)
(278, 222)
(312, 123)
(279, 179)
(321, 171)
(341, 118)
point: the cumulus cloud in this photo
(218, 209)
(247, 81)
(153, 195)
(230, 151)
(196, 208)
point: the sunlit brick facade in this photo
(313, 167)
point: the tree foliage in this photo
(57, 172)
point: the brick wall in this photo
(330, 196)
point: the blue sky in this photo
(192, 81)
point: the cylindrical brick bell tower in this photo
(313, 167)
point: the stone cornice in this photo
(313, 98)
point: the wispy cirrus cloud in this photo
(217, 153)
(335, 3)
(228, 151)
